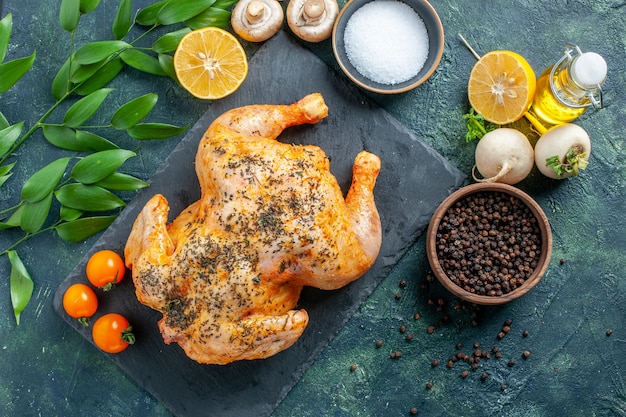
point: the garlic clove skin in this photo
(257, 20)
(312, 20)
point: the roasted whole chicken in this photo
(228, 271)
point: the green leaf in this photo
(8, 136)
(134, 111)
(154, 131)
(61, 81)
(69, 14)
(62, 137)
(142, 61)
(12, 71)
(80, 229)
(101, 78)
(69, 214)
(148, 15)
(4, 123)
(167, 63)
(21, 285)
(90, 142)
(169, 42)
(99, 165)
(122, 21)
(181, 10)
(34, 215)
(15, 219)
(6, 27)
(213, 16)
(88, 198)
(82, 73)
(224, 4)
(83, 109)
(99, 51)
(43, 182)
(122, 182)
(5, 173)
(87, 6)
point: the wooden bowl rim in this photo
(546, 243)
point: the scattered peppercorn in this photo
(476, 345)
(409, 337)
(398, 296)
(402, 328)
(562, 261)
(379, 343)
(429, 385)
(508, 322)
(417, 316)
(353, 367)
(396, 355)
(459, 346)
(501, 335)
(450, 364)
(525, 333)
(502, 387)
(609, 332)
(511, 363)
(464, 374)
(484, 376)
(488, 243)
(498, 355)
(430, 329)
(402, 283)
(506, 329)
(434, 363)
(526, 354)
(414, 411)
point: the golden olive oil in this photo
(566, 89)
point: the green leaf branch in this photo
(76, 195)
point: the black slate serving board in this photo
(414, 179)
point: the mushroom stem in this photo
(313, 11)
(255, 11)
(312, 20)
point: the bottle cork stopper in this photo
(589, 69)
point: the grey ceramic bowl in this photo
(435, 47)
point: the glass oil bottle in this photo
(569, 87)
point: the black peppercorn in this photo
(409, 337)
(353, 367)
(525, 333)
(484, 376)
(379, 343)
(609, 332)
(429, 385)
(511, 363)
(434, 363)
(402, 328)
(464, 374)
(430, 329)
(526, 354)
(402, 283)
(413, 411)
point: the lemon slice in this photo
(501, 87)
(210, 63)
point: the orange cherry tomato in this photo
(80, 302)
(112, 333)
(105, 269)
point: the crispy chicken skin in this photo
(228, 271)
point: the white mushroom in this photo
(257, 20)
(312, 20)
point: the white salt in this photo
(386, 41)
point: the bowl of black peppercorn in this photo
(489, 243)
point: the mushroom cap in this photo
(312, 20)
(257, 20)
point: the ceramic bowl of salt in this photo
(388, 46)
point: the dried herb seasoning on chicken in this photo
(228, 271)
